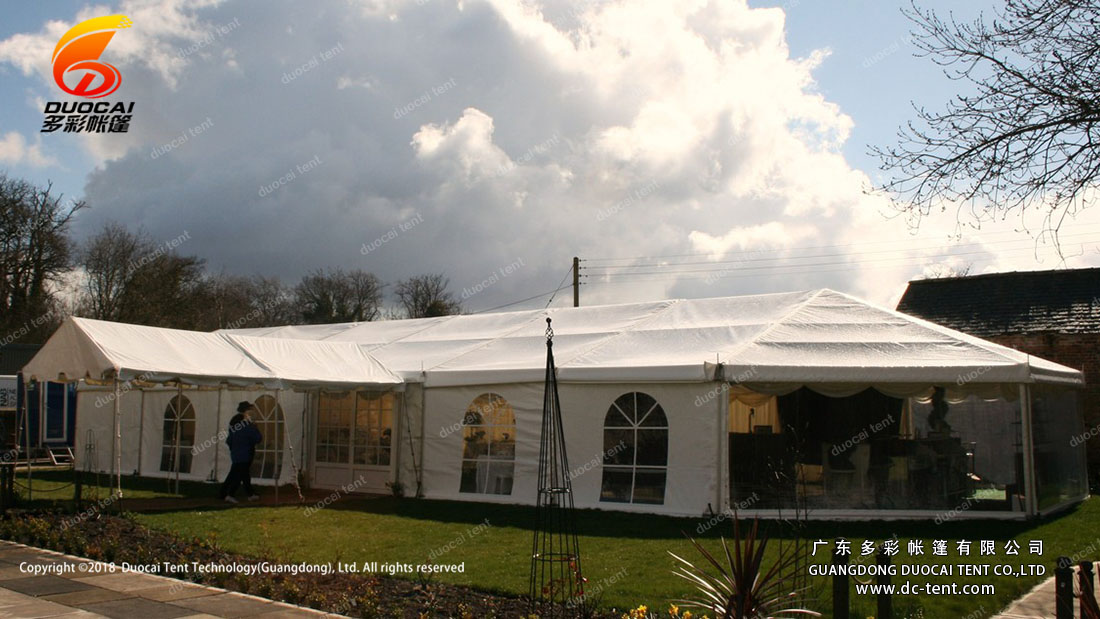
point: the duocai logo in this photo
(78, 71)
(77, 57)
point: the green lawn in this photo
(54, 487)
(625, 556)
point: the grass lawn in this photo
(53, 486)
(625, 556)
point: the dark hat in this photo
(243, 406)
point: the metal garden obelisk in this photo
(557, 587)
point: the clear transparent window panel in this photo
(1059, 453)
(936, 452)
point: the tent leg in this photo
(217, 433)
(1031, 501)
(176, 442)
(141, 431)
(278, 454)
(118, 446)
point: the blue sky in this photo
(623, 131)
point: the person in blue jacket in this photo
(242, 440)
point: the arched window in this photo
(488, 446)
(268, 419)
(179, 435)
(635, 457)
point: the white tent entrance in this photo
(354, 444)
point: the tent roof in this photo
(818, 336)
(101, 350)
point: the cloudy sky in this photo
(681, 149)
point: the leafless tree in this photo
(128, 278)
(108, 260)
(1025, 133)
(338, 296)
(424, 296)
(237, 302)
(35, 253)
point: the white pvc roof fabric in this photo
(818, 336)
(101, 350)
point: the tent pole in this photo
(723, 498)
(218, 429)
(278, 454)
(141, 430)
(176, 446)
(307, 417)
(1031, 502)
(118, 445)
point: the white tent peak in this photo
(816, 336)
(99, 350)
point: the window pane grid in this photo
(178, 415)
(488, 450)
(635, 455)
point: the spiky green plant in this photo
(742, 586)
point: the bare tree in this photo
(128, 278)
(271, 302)
(35, 253)
(338, 296)
(166, 290)
(1027, 136)
(108, 260)
(237, 302)
(424, 296)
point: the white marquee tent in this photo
(465, 425)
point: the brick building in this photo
(1050, 314)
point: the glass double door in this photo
(354, 439)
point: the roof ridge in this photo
(670, 303)
(797, 308)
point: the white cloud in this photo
(533, 130)
(14, 150)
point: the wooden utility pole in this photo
(576, 281)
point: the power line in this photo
(531, 298)
(560, 285)
(779, 249)
(634, 278)
(671, 271)
(805, 257)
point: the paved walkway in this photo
(1037, 603)
(82, 594)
